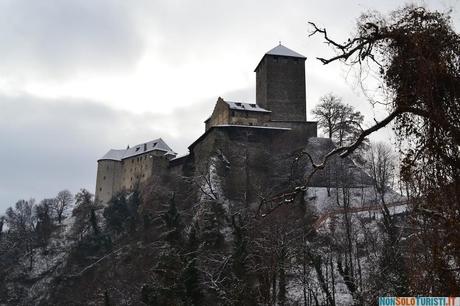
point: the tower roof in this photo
(281, 50)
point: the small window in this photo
(100, 189)
(137, 149)
(104, 177)
(233, 114)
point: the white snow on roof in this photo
(154, 145)
(283, 51)
(254, 127)
(246, 107)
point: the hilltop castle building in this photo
(280, 108)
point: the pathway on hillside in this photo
(353, 210)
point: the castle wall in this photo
(220, 114)
(138, 169)
(115, 176)
(248, 118)
(218, 138)
(108, 179)
(280, 87)
(305, 129)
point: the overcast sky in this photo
(79, 77)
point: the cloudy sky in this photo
(79, 77)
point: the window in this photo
(104, 177)
(100, 189)
(233, 114)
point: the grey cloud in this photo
(49, 145)
(56, 38)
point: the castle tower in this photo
(280, 84)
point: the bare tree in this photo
(340, 121)
(21, 218)
(63, 200)
(22, 221)
(381, 169)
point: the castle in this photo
(280, 108)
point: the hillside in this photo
(197, 238)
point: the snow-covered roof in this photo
(281, 50)
(246, 107)
(253, 127)
(154, 145)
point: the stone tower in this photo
(280, 84)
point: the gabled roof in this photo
(281, 50)
(241, 106)
(154, 145)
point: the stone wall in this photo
(220, 114)
(223, 115)
(115, 176)
(249, 118)
(306, 129)
(280, 87)
(108, 179)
